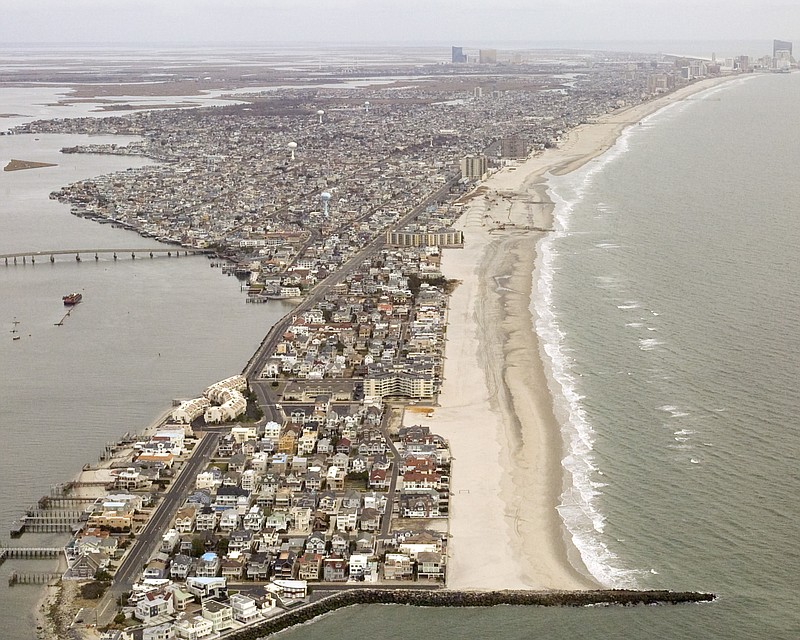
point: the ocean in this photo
(667, 306)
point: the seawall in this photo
(447, 598)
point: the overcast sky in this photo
(395, 21)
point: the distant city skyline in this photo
(378, 21)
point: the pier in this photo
(29, 553)
(32, 577)
(25, 257)
(51, 521)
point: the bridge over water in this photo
(25, 257)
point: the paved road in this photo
(263, 391)
(150, 536)
(388, 415)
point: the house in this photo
(131, 479)
(232, 567)
(244, 608)
(278, 520)
(284, 565)
(231, 497)
(202, 587)
(334, 570)
(374, 500)
(254, 520)
(258, 566)
(192, 627)
(351, 499)
(180, 567)
(170, 540)
(220, 615)
(163, 631)
(420, 505)
(430, 565)
(229, 520)
(347, 519)
(313, 479)
(267, 540)
(180, 596)
(240, 540)
(249, 480)
(206, 519)
(370, 520)
(86, 566)
(419, 481)
(238, 462)
(398, 566)
(95, 541)
(184, 519)
(208, 565)
(340, 544)
(315, 543)
(379, 479)
(358, 564)
(287, 443)
(310, 567)
(365, 543)
(358, 464)
(301, 517)
(154, 605)
(156, 569)
(334, 480)
(289, 589)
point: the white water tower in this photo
(326, 198)
(292, 146)
(320, 113)
(366, 106)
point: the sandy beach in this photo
(495, 408)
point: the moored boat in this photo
(72, 299)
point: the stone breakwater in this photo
(446, 598)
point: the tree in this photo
(93, 590)
(120, 619)
(198, 548)
(101, 575)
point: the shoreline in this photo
(506, 531)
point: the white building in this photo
(220, 615)
(193, 628)
(244, 608)
(190, 410)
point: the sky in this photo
(467, 22)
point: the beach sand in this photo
(496, 409)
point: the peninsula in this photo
(396, 429)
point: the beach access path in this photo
(496, 409)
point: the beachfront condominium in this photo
(473, 167)
(781, 45)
